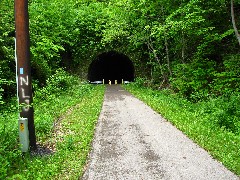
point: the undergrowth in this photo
(63, 92)
(213, 124)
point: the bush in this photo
(193, 80)
(58, 82)
(225, 112)
(228, 81)
(3, 82)
(139, 82)
(201, 80)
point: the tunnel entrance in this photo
(111, 66)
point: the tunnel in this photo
(111, 66)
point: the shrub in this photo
(3, 82)
(193, 80)
(224, 112)
(58, 82)
(228, 81)
(139, 82)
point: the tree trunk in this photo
(151, 49)
(183, 39)
(166, 44)
(167, 53)
(183, 48)
(234, 23)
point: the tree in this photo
(234, 22)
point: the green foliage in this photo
(60, 80)
(1, 90)
(52, 31)
(224, 112)
(7, 68)
(228, 81)
(140, 82)
(160, 37)
(10, 156)
(3, 83)
(193, 80)
(52, 109)
(201, 80)
(187, 46)
(56, 85)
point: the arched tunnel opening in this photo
(111, 66)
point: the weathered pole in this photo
(24, 79)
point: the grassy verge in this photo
(65, 121)
(193, 120)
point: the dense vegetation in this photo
(64, 131)
(187, 46)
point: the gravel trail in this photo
(134, 142)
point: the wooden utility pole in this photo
(24, 79)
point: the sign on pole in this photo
(24, 79)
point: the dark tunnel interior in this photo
(111, 66)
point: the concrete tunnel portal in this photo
(111, 66)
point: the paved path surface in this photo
(134, 142)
